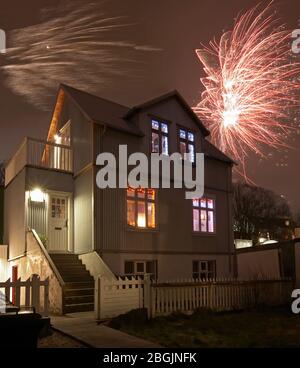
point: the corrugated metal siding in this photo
(14, 215)
(114, 219)
(174, 233)
(83, 212)
(37, 217)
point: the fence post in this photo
(35, 291)
(147, 295)
(18, 293)
(27, 292)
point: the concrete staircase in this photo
(78, 295)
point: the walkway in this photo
(83, 327)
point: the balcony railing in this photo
(37, 153)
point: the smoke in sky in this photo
(77, 44)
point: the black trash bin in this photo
(19, 327)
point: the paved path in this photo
(83, 327)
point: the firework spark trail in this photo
(251, 85)
(77, 45)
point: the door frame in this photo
(69, 195)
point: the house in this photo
(60, 225)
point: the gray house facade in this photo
(81, 231)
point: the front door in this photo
(58, 232)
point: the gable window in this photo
(204, 270)
(134, 268)
(187, 144)
(160, 137)
(141, 208)
(204, 213)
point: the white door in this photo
(58, 223)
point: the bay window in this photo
(204, 215)
(141, 208)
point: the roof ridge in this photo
(93, 95)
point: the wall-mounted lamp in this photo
(57, 139)
(37, 195)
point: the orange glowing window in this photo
(141, 208)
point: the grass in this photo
(262, 327)
(59, 340)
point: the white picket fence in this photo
(218, 295)
(115, 297)
(30, 293)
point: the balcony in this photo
(40, 154)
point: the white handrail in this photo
(40, 154)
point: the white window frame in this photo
(199, 208)
(204, 273)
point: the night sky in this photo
(177, 28)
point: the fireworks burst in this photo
(251, 85)
(77, 45)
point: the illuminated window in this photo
(204, 270)
(187, 144)
(204, 215)
(160, 137)
(141, 208)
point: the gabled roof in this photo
(164, 97)
(102, 111)
(116, 116)
(212, 151)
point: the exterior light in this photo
(262, 240)
(37, 195)
(57, 139)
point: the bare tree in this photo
(257, 209)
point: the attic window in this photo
(187, 144)
(159, 137)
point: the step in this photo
(77, 278)
(79, 292)
(75, 271)
(73, 308)
(70, 285)
(64, 256)
(67, 261)
(79, 299)
(67, 266)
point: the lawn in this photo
(263, 327)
